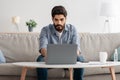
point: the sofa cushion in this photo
(93, 43)
(8, 68)
(96, 71)
(2, 58)
(18, 47)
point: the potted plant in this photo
(31, 24)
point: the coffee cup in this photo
(103, 57)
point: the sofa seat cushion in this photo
(93, 71)
(10, 69)
(96, 71)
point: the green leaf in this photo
(31, 23)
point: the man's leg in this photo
(42, 73)
(78, 72)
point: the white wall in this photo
(84, 14)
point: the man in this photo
(58, 33)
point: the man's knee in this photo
(40, 58)
(80, 58)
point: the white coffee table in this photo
(27, 65)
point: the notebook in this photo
(61, 54)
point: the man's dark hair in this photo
(57, 10)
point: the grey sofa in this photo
(23, 47)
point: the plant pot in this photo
(30, 29)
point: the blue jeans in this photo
(42, 73)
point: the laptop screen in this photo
(61, 54)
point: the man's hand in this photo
(43, 52)
(78, 52)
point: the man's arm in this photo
(43, 51)
(76, 40)
(43, 42)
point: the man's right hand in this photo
(43, 52)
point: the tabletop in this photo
(77, 65)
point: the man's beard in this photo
(59, 27)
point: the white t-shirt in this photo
(59, 34)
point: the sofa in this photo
(24, 47)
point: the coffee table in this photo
(27, 65)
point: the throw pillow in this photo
(2, 58)
(112, 56)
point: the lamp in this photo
(16, 21)
(108, 9)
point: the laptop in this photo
(61, 54)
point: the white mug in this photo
(103, 57)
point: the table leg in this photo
(23, 74)
(71, 73)
(112, 71)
